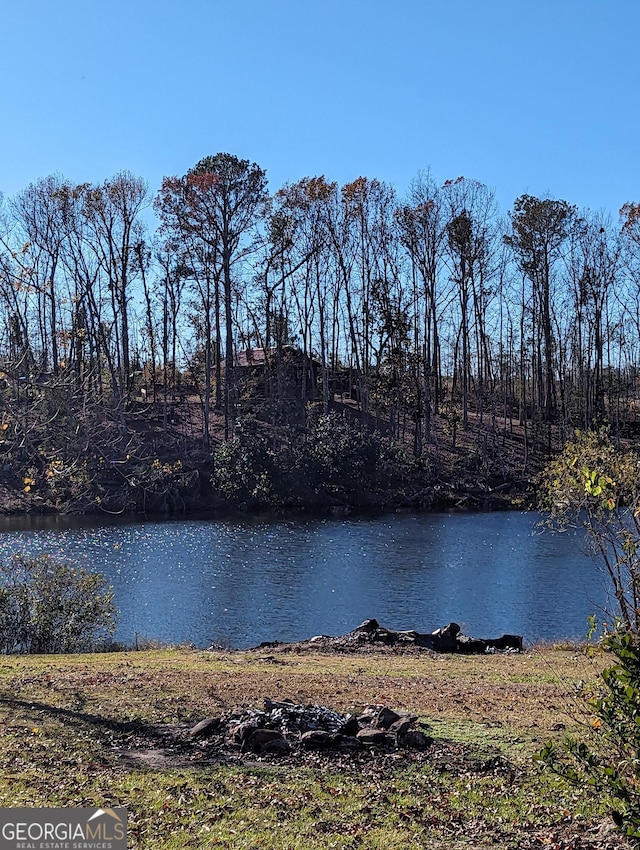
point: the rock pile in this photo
(447, 639)
(371, 636)
(282, 726)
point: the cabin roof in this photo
(251, 357)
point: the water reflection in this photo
(243, 582)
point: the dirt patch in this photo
(172, 747)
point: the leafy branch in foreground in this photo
(594, 485)
(47, 606)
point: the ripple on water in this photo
(242, 582)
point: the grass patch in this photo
(69, 722)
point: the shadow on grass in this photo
(83, 719)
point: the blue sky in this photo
(537, 96)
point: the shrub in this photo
(608, 761)
(342, 459)
(244, 469)
(335, 460)
(48, 606)
(597, 486)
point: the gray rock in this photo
(347, 742)
(385, 718)
(446, 639)
(402, 726)
(350, 726)
(284, 724)
(206, 727)
(240, 733)
(317, 739)
(265, 740)
(375, 737)
(410, 636)
(278, 747)
(368, 626)
(417, 740)
(368, 715)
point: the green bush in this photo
(608, 761)
(48, 606)
(334, 461)
(595, 485)
(245, 469)
(343, 460)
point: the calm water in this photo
(241, 582)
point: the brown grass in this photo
(96, 730)
(531, 691)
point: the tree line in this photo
(429, 304)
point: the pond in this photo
(238, 582)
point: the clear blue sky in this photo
(537, 96)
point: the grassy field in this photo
(104, 730)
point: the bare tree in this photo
(421, 232)
(112, 213)
(471, 252)
(213, 213)
(540, 229)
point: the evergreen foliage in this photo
(47, 606)
(334, 462)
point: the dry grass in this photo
(528, 691)
(71, 722)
